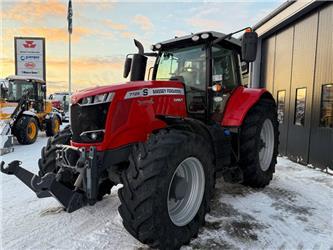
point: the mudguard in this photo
(240, 102)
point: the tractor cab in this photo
(17, 86)
(209, 64)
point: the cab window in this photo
(224, 68)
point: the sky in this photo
(103, 32)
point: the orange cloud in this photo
(144, 22)
(86, 72)
(128, 34)
(115, 26)
(51, 34)
(27, 11)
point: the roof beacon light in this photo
(195, 38)
(158, 46)
(248, 30)
(204, 35)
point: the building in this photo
(295, 63)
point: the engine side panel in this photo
(239, 103)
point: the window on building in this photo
(300, 106)
(281, 103)
(326, 107)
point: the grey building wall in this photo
(295, 64)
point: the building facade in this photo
(295, 63)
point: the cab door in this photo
(224, 72)
(39, 105)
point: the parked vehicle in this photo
(24, 111)
(60, 101)
(164, 140)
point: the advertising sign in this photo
(30, 56)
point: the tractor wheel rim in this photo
(182, 211)
(56, 126)
(267, 138)
(31, 130)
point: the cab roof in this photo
(182, 40)
(25, 78)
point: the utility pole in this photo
(70, 30)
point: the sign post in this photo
(30, 57)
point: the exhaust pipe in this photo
(139, 63)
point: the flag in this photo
(69, 17)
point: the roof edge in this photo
(275, 12)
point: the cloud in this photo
(51, 34)
(128, 34)
(115, 26)
(144, 22)
(32, 11)
(86, 71)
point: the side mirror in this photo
(249, 46)
(127, 66)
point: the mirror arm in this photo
(228, 35)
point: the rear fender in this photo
(240, 102)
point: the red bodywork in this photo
(240, 101)
(56, 104)
(131, 120)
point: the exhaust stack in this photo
(139, 63)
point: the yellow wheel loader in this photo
(25, 111)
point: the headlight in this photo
(97, 99)
(93, 135)
(195, 38)
(87, 100)
(100, 98)
(204, 35)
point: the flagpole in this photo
(69, 75)
(70, 30)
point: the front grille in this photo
(88, 118)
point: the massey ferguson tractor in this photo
(165, 140)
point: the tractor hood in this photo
(129, 87)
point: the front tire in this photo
(47, 162)
(147, 209)
(259, 144)
(26, 130)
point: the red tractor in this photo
(165, 140)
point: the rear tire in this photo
(259, 144)
(26, 130)
(146, 186)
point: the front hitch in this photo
(46, 186)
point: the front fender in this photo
(240, 102)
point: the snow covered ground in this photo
(294, 212)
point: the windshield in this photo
(187, 65)
(16, 89)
